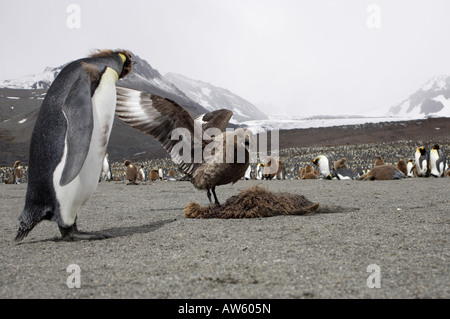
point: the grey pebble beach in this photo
(401, 227)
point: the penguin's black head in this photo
(316, 161)
(436, 147)
(125, 58)
(423, 151)
(127, 62)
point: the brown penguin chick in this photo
(342, 163)
(379, 161)
(383, 173)
(281, 170)
(272, 167)
(131, 173)
(302, 172)
(171, 173)
(17, 173)
(401, 166)
(255, 202)
(153, 176)
(309, 169)
(310, 173)
(200, 151)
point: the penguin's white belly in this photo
(435, 169)
(248, 172)
(105, 169)
(420, 166)
(73, 195)
(410, 170)
(423, 170)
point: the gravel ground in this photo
(155, 252)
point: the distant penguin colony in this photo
(339, 170)
(69, 142)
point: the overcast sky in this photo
(300, 57)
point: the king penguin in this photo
(410, 168)
(437, 162)
(69, 142)
(248, 173)
(324, 165)
(106, 169)
(345, 174)
(422, 158)
(259, 171)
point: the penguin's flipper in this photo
(77, 109)
(440, 164)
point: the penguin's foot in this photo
(73, 234)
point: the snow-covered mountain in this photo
(433, 99)
(143, 77)
(36, 82)
(196, 96)
(214, 98)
